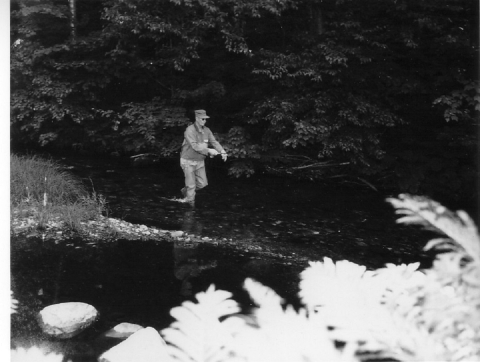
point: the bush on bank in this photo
(41, 190)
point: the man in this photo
(194, 150)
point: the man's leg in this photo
(201, 178)
(189, 190)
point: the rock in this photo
(176, 234)
(146, 159)
(146, 345)
(123, 330)
(66, 320)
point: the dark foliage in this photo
(313, 89)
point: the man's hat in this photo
(201, 113)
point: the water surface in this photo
(347, 222)
(140, 281)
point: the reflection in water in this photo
(188, 265)
(58, 278)
(126, 281)
(190, 224)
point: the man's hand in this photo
(224, 156)
(212, 152)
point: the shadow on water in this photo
(126, 281)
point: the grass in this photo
(42, 190)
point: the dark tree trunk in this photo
(73, 18)
(316, 19)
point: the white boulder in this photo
(65, 320)
(146, 345)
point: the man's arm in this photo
(192, 141)
(217, 145)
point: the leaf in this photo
(34, 354)
(456, 225)
(262, 295)
(197, 334)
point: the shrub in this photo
(86, 208)
(41, 189)
(31, 177)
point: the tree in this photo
(310, 88)
(122, 81)
(337, 95)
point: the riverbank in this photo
(107, 229)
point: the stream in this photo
(140, 281)
(353, 223)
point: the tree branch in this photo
(320, 164)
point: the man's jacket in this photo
(195, 143)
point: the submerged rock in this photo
(123, 330)
(66, 320)
(146, 345)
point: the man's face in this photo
(201, 121)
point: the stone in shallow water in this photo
(123, 330)
(146, 345)
(66, 320)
